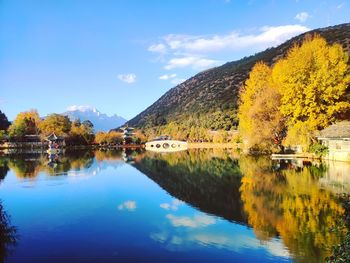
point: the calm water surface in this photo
(201, 205)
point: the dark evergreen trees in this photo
(4, 123)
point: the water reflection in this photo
(218, 200)
(3, 169)
(282, 199)
(8, 233)
(208, 180)
(30, 165)
(290, 203)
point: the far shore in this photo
(203, 145)
(191, 145)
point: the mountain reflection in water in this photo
(291, 207)
(209, 182)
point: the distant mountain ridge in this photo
(215, 92)
(101, 121)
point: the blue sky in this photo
(121, 56)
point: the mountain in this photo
(212, 95)
(101, 121)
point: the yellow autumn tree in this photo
(261, 122)
(59, 124)
(108, 137)
(81, 132)
(312, 79)
(26, 122)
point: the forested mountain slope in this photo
(210, 98)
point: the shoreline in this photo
(191, 145)
(212, 145)
(71, 147)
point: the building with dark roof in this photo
(337, 138)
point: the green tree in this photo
(8, 235)
(4, 123)
(88, 126)
(88, 131)
(2, 135)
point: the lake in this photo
(197, 205)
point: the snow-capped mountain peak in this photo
(101, 121)
(82, 108)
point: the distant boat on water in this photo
(166, 144)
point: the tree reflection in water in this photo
(276, 201)
(290, 203)
(29, 165)
(3, 169)
(206, 179)
(287, 202)
(8, 233)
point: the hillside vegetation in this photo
(209, 100)
(289, 102)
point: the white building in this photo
(337, 138)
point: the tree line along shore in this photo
(29, 128)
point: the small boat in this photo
(166, 144)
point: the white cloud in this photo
(191, 222)
(177, 81)
(192, 61)
(128, 78)
(158, 48)
(340, 5)
(128, 205)
(165, 206)
(175, 203)
(167, 76)
(236, 243)
(82, 108)
(302, 16)
(186, 240)
(193, 51)
(265, 37)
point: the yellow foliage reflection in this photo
(29, 167)
(26, 167)
(291, 204)
(108, 155)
